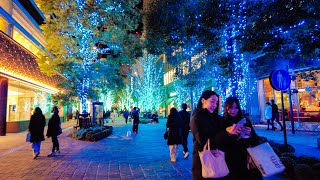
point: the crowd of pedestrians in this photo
(231, 133)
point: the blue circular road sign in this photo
(280, 79)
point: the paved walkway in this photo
(144, 156)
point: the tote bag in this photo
(213, 162)
(266, 160)
(28, 137)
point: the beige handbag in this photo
(213, 162)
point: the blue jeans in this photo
(36, 146)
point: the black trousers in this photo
(185, 141)
(275, 117)
(55, 143)
(135, 127)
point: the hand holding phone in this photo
(242, 121)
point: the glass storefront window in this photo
(309, 94)
(22, 100)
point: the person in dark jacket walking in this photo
(126, 115)
(36, 129)
(174, 124)
(185, 116)
(235, 145)
(54, 129)
(275, 115)
(135, 117)
(207, 124)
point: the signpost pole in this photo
(280, 80)
(283, 122)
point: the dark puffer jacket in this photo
(53, 125)
(36, 127)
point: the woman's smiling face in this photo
(211, 103)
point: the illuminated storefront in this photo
(23, 87)
(305, 96)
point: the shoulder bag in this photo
(213, 162)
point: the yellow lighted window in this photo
(17, 36)
(3, 24)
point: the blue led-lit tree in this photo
(147, 82)
(283, 30)
(88, 41)
(125, 97)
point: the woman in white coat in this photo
(268, 114)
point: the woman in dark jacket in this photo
(235, 146)
(174, 123)
(54, 129)
(36, 129)
(206, 124)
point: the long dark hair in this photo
(173, 112)
(228, 104)
(206, 95)
(37, 111)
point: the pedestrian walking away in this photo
(185, 116)
(174, 125)
(239, 135)
(126, 115)
(275, 115)
(54, 130)
(135, 117)
(204, 124)
(36, 129)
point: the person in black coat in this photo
(235, 145)
(54, 129)
(174, 125)
(207, 124)
(185, 129)
(36, 129)
(136, 120)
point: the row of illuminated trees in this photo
(228, 34)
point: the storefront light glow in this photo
(29, 83)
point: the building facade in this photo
(22, 85)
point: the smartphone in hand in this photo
(242, 121)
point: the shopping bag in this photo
(266, 160)
(166, 134)
(128, 133)
(59, 131)
(213, 162)
(28, 137)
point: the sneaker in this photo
(186, 155)
(58, 152)
(52, 154)
(183, 152)
(173, 160)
